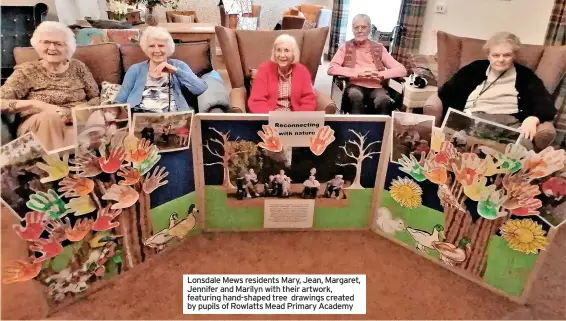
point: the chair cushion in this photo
(255, 46)
(103, 60)
(108, 92)
(216, 96)
(196, 55)
(183, 18)
(425, 66)
(552, 66)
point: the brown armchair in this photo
(548, 62)
(245, 50)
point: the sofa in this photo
(454, 52)
(109, 61)
(245, 50)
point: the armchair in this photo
(245, 50)
(189, 13)
(454, 52)
(317, 16)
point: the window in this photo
(383, 13)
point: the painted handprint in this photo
(73, 187)
(114, 161)
(528, 207)
(155, 180)
(49, 203)
(270, 139)
(545, 163)
(520, 194)
(56, 229)
(86, 165)
(491, 207)
(511, 161)
(49, 248)
(412, 167)
(125, 196)
(33, 228)
(104, 219)
(469, 169)
(130, 142)
(56, 167)
(446, 154)
(139, 153)
(130, 175)
(323, 137)
(19, 271)
(477, 191)
(433, 171)
(438, 137)
(147, 164)
(491, 166)
(79, 231)
(81, 205)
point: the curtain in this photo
(556, 32)
(556, 36)
(409, 30)
(338, 26)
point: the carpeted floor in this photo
(400, 285)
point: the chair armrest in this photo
(238, 97)
(340, 82)
(325, 103)
(546, 133)
(433, 107)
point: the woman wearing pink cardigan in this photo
(282, 84)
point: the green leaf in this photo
(62, 261)
(116, 259)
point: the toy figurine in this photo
(250, 182)
(311, 187)
(335, 186)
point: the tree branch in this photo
(346, 164)
(368, 155)
(347, 153)
(217, 163)
(215, 153)
(367, 147)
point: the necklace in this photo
(484, 88)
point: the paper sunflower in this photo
(524, 235)
(406, 192)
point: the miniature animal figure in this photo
(387, 224)
(161, 238)
(424, 239)
(178, 228)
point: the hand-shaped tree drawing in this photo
(226, 156)
(270, 139)
(324, 136)
(362, 154)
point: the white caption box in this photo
(274, 294)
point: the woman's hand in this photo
(529, 127)
(42, 106)
(165, 67)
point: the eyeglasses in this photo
(57, 44)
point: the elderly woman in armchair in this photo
(499, 89)
(44, 91)
(282, 84)
(155, 85)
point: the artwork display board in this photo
(96, 209)
(475, 201)
(285, 172)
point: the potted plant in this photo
(149, 5)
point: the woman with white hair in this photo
(499, 89)
(282, 84)
(155, 85)
(44, 91)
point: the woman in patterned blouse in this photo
(282, 84)
(44, 91)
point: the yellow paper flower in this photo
(524, 235)
(406, 192)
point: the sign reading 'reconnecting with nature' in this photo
(296, 129)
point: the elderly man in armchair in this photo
(366, 64)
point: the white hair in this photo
(285, 38)
(55, 27)
(157, 33)
(502, 37)
(362, 16)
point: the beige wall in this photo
(52, 15)
(207, 10)
(528, 19)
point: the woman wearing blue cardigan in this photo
(155, 85)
